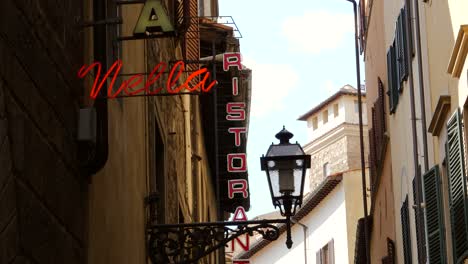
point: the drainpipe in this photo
(423, 115)
(304, 228)
(421, 83)
(101, 151)
(413, 121)
(361, 133)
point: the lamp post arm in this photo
(188, 243)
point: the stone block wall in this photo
(343, 154)
(336, 156)
(42, 194)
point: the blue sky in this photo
(300, 52)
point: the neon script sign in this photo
(136, 85)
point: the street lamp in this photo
(285, 165)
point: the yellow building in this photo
(415, 52)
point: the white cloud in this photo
(316, 31)
(270, 84)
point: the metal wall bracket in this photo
(188, 243)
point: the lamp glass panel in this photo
(286, 176)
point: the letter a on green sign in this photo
(153, 18)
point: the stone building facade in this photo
(334, 134)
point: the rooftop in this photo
(345, 90)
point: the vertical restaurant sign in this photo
(234, 156)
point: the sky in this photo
(300, 52)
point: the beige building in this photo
(418, 135)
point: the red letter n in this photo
(244, 245)
(232, 59)
(237, 186)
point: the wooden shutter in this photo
(372, 161)
(390, 81)
(434, 216)
(399, 50)
(457, 186)
(403, 52)
(392, 72)
(390, 258)
(419, 224)
(395, 76)
(331, 252)
(406, 232)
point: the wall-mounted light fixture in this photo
(285, 165)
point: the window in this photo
(435, 216)
(356, 106)
(390, 258)
(335, 110)
(156, 200)
(457, 187)
(314, 123)
(326, 169)
(325, 116)
(419, 224)
(406, 232)
(398, 60)
(326, 255)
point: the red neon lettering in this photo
(237, 133)
(241, 261)
(170, 81)
(159, 68)
(232, 59)
(98, 85)
(237, 186)
(129, 86)
(201, 84)
(243, 162)
(235, 85)
(239, 214)
(245, 246)
(235, 111)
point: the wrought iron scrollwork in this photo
(188, 243)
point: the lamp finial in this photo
(284, 136)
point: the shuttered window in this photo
(390, 258)
(326, 255)
(406, 232)
(397, 60)
(401, 47)
(419, 224)
(457, 187)
(392, 79)
(434, 216)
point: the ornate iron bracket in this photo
(188, 243)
